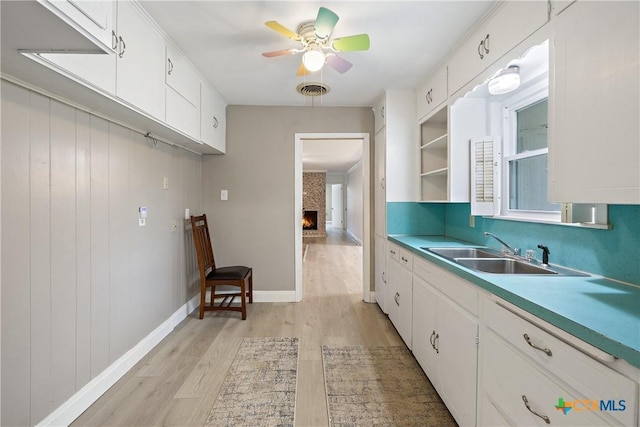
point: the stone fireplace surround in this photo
(314, 198)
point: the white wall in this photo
(82, 283)
(256, 225)
(355, 203)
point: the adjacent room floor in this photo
(178, 381)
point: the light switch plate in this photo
(224, 195)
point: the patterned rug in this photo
(380, 386)
(260, 387)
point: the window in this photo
(524, 162)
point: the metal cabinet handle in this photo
(114, 40)
(544, 350)
(436, 343)
(485, 44)
(392, 252)
(404, 259)
(382, 183)
(396, 299)
(526, 403)
(382, 112)
(170, 66)
(481, 49)
(384, 279)
(215, 122)
(123, 47)
(433, 334)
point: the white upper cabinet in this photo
(399, 138)
(379, 114)
(432, 93)
(511, 23)
(213, 121)
(94, 19)
(141, 61)
(183, 94)
(594, 143)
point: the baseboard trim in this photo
(274, 296)
(66, 413)
(354, 238)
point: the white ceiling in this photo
(331, 155)
(225, 40)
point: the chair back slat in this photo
(202, 242)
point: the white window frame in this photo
(509, 107)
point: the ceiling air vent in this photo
(312, 89)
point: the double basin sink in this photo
(487, 261)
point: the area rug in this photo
(260, 387)
(379, 386)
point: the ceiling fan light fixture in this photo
(507, 80)
(313, 60)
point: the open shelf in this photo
(434, 156)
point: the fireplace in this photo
(310, 220)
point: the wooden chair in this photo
(225, 282)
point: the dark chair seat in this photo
(226, 283)
(237, 272)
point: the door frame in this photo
(366, 208)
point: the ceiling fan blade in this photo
(280, 53)
(351, 43)
(341, 65)
(302, 71)
(325, 22)
(283, 30)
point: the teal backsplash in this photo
(415, 218)
(611, 253)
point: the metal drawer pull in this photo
(432, 339)
(526, 403)
(435, 342)
(396, 299)
(544, 350)
(404, 259)
(392, 252)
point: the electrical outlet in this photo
(174, 225)
(224, 195)
(165, 183)
(141, 222)
(472, 221)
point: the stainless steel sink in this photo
(489, 261)
(503, 266)
(453, 253)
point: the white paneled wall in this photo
(82, 283)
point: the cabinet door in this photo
(424, 327)
(97, 71)
(594, 102)
(380, 268)
(183, 94)
(511, 23)
(92, 18)
(214, 118)
(457, 360)
(379, 114)
(140, 66)
(400, 302)
(432, 93)
(380, 203)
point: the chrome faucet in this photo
(509, 249)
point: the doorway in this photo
(337, 210)
(366, 208)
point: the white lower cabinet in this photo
(445, 337)
(380, 281)
(526, 373)
(400, 293)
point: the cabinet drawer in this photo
(590, 378)
(393, 251)
(449, 284)
(508, 379)
(512, 23)
(406, 259)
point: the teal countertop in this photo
(599, 311)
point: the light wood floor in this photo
(177, 382)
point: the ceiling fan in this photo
(318, 49)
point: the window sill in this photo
(542, 221)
